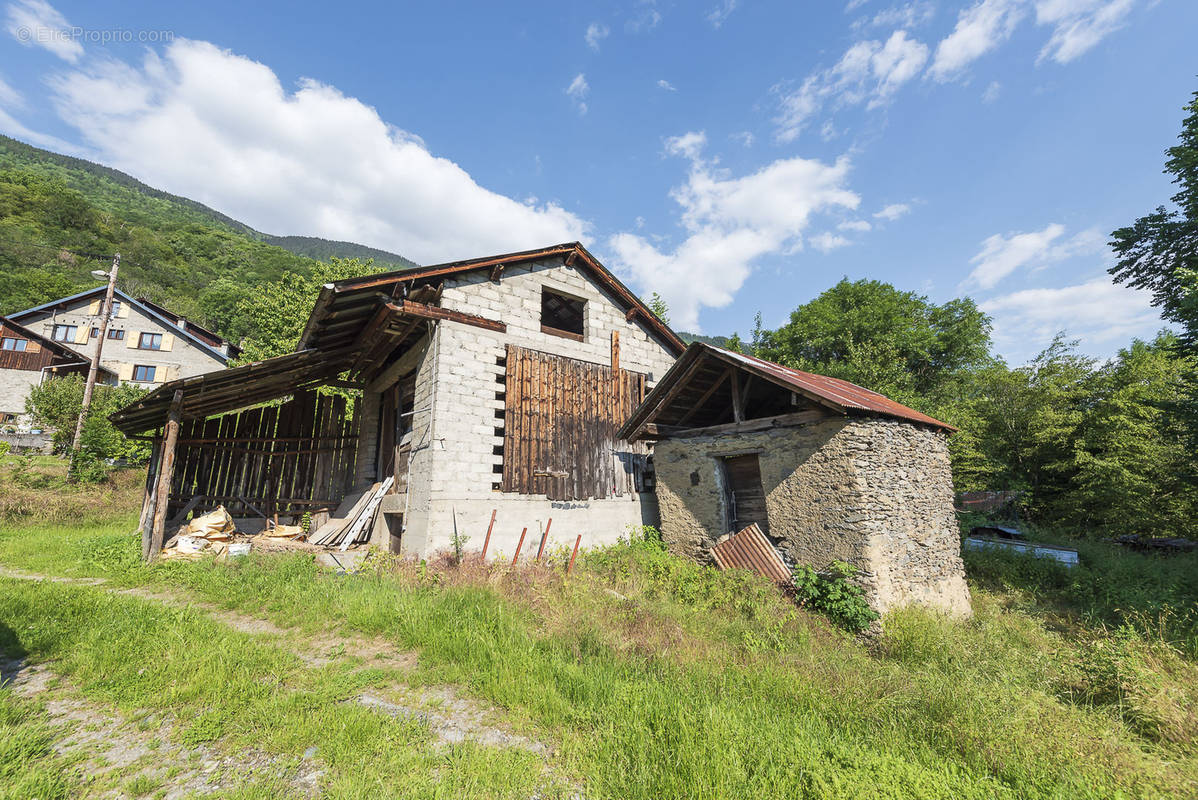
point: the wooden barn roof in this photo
(706, 364)
(58, 349)
(344, 306)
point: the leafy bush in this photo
(833, 593)
(1156, 595)
(56, 404)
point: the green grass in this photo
(685, 683)
(28, 766)
(699, 684)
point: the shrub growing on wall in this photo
(833, 594)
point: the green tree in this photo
(894, 342)
(54, 404)
(657, 305)
(1159, 252)
(276, 312)
(1131, 457)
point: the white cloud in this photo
(596, 33)
(205, 123)
(645, 18)
(853, 5)
(746, 138)
(868, 71)
(855, 225)
(664, 84)
(979, 30)
(719, 15)
(1099, 313)
(10, 97)
(827, 242)
(36, 23)
(578, 91)
(992, 92)
(893, 211)
(729, 223)
(1079, 25)
(1001, 255)
(907, 15)
(688, 145)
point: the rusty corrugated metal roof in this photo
(750, 550)
(843, 394)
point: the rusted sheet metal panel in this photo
(560, 422)
(750, 550)
(841, 393)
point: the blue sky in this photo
(734, 155)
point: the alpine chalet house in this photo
(486, 388)
(26, 359)
(146, 344)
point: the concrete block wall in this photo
(468, 417)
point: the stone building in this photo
(26, 359)
(827, 469)
(146, 344)
(489, 386)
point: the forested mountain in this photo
(61, 217)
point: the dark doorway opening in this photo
(745, 494)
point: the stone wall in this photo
(15, 385)
(873, 492)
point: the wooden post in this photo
(487, 541)
(615, 351)
(544, 538)
(738, 413)
(519, 546)
(146, 523)
(166, 473)
(147, 502)
(574, 555)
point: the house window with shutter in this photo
(143, 373)
(562, 315)
(12, 343)
(150, 341)
(116, 333)
(64, 333)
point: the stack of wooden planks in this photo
(353, 520)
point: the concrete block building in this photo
(827, 469)
(146, 344)
(494, 385)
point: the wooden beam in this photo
(738, 412)
(145, 522)
(435, 312)
(615, 351)
(166, 473)
(497, 272)
(665, 401)
(748, 426)
(695, 406)
(631, 313)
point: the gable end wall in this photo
(467, 414)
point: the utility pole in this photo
(105, 313)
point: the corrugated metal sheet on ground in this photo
(750, 550)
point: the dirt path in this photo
(116, 754)
(450, 717)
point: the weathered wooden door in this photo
(746, 496)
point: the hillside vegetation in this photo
(57, 211)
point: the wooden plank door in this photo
(746, 496)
